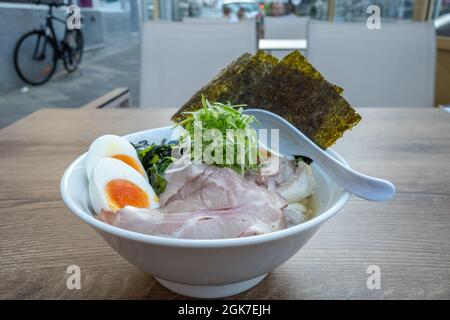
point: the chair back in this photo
(389, 67)
(288, 27)
(177, 58)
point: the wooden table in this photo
(408, 238)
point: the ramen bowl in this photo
(204, 268)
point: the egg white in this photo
(108, 169)
(107, 146)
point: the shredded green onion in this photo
(239, 148)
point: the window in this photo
(246, 6)
(148, 9)
(113, 5)
(316, 9)
(355, 10)
(442, 18)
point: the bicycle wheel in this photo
(72, 49)
(35, 58)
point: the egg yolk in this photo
(121, 193)
(129, 161)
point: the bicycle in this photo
(37, 52)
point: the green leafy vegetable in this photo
(239, 144)
(155, 159)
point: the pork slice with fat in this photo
(206, 202)
(205, 224)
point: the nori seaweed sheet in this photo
(298, 92)
(292, 88)
(232, 82)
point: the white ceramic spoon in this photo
(360, 185)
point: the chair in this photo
(285, 27)
(390, 67)
(179, 58)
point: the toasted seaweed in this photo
(232, 83)
(300, 94)
(292, 88)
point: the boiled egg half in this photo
(114, 185)
(111, 146)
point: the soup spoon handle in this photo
(295, 142)
(359, 184)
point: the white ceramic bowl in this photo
(203, 268)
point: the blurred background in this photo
(157, 53)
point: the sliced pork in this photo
(206, 202)
(235, 222)
(293, 180)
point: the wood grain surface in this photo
(408, 237)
